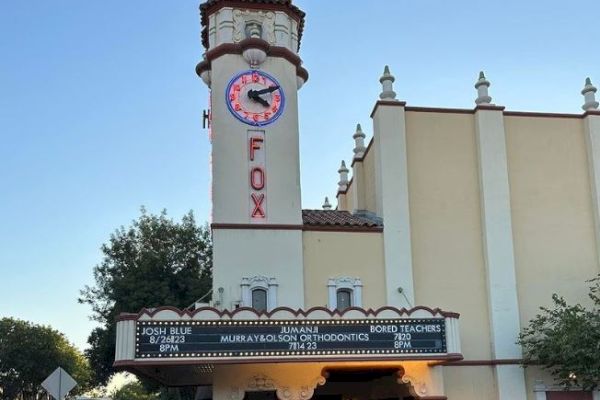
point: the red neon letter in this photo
(257, 178)
(254, 145)
(258, 211)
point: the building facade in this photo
(451, 229)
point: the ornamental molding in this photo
(243, 20)
(210, 313)
(304, 392)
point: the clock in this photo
(255, 98)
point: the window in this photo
(344, 292)
(344, 299)
(259, 292)
(259, 299)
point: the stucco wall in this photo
(466, 382)
(552, 216)
(350, 197)
(369, 170)
(447, 247)
(336, 254)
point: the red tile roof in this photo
(286, 5)
(338, 219)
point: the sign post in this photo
(59, 383)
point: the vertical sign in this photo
(257, 176)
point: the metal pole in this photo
(59, 383)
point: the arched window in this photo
(344, 299)
(259, 299)
(344, 292)
(259, 292)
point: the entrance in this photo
(364, 384)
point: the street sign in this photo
(59, 383)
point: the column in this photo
(389, 135)
(498, 243)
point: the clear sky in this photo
(100, 111)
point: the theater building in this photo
(451, 229)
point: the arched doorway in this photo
(364, 384)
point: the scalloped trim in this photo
(401, 312)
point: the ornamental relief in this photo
(262, 382)
(258, 24)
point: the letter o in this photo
(257, 178)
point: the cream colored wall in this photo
(552, 215)
(473, 383)
(335, 254)
(350, 198)
(369, 172)
(448, 262)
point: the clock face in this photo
(255, 98)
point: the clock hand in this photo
(270, 89)
(262, 101)
(254, 95)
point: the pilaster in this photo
(498, 249)
(591, 124)
(391, 180)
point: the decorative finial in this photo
(343, 183)
(482, 86)
(387, 84)
(589, 95)
(326, 204)
(359, 142)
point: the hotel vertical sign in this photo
(257, 176)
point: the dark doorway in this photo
(363, 384)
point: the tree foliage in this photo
(154, 262)
(29, 353)
(134, 391)
(565, 340)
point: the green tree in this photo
(134, 391)
(565, 340)
(29, 353)
(154, 262)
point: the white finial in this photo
(387, 85)
(359, 142)
(343, 183)
(326, 204)
(482, 86)
(589, 95)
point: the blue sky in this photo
(100, 111)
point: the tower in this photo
(253, 70)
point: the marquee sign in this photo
(279, 338)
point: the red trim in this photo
(347, 187)
(304, 228)
(478, 363)
(276, 227)
(440, 110)
(540, 114)
(484, 107)
(265, 360)
(341, 228)
(238, 48)
(489, 107)
(361, 159)
(299, 312)
(387, 103)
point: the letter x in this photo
(258, 210)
